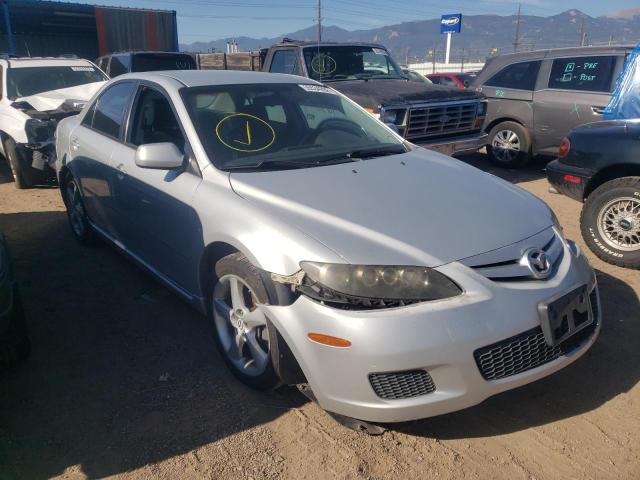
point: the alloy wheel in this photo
(75, 209)
(619, 224)
(241, 325)
(505, 146)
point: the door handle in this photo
(597, 110)
(122, 172)
(75, 143)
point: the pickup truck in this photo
(440, 118)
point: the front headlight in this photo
(371, 286)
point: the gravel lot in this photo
(125, 382)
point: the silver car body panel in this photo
(420, 208)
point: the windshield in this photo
(148, 62)
(347, 62)
(23, 82)
(283, 126)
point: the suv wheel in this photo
(509, 145)
(243, 333)
(12, 156)
(610, 222)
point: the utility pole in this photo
(319, 21)
(582, 33)
(516, 40)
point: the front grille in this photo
(441, 120)
(529, 350)
(398, 385)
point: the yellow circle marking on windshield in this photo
(244, 140)
(323, 64)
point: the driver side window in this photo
(153, 120)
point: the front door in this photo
(577, 91)
(163, 230)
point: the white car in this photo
(392, 282)
(36, 94)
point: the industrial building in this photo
(46, 28)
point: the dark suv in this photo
(535, 98)
(124, 62)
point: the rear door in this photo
(510, 92)
(576, 91)
(91, 144)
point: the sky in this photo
(203, 20)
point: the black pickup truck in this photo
(441, 118)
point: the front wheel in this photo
(12, 155)
(610, 222)
(243, 333)
(509, 145)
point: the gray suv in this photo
(535, 98)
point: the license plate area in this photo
(565, 315)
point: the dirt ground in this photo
(125, 382)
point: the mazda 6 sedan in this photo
(389, 282)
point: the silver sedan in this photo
(389, 282)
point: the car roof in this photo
(200, 78)
(560, 52)
(303, 43)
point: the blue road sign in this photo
(451, 23)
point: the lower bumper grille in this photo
(529, 350)
(399, 385)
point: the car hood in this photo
(53, 99)
(419, 208)
(371, 93)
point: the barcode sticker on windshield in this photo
(82, 69)
(316, 88)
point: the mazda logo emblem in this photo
(537, 262)
(444, 119)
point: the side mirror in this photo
(161, 156)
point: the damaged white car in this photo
(36, 94)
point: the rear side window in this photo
(284, 61)
(591, 74)
(521, 76)
(119, 65)
(111, 108)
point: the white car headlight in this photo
(380, 285)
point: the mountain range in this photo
(480, 34)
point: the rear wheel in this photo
(12, 156)
(76, 213)
(243, 333)
(509, 145)
(610, 222)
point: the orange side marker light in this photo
(329, 340)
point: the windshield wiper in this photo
(377, 151)
(267, 164)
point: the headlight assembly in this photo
(375, 286)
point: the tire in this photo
(14, 341)
(76, 214)
(610, 222)
(12, 155)
(242, 333)
(516, 142)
